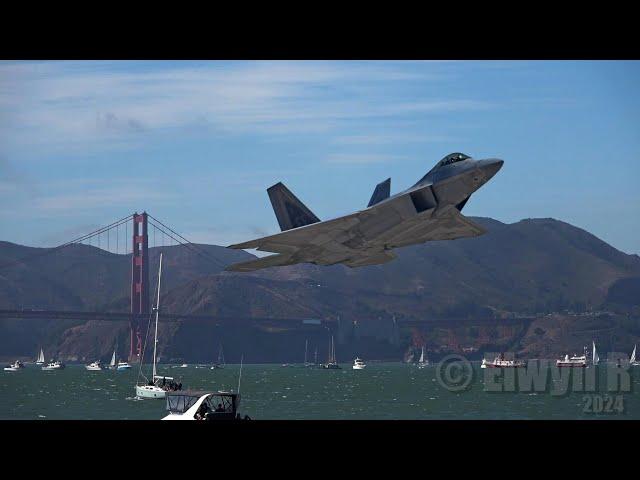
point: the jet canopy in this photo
(453, 158)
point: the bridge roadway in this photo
(258, 321)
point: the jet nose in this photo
(490, 166)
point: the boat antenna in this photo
(240, 375)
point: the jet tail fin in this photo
(290, 212)
(382, 192)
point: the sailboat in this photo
(632, 361)
(154, 388)
(423, 362)
(40, 360)
(221, 362)
(113, 364)
(332, 364)
(306, 349)
(594, 358)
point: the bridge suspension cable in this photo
(80, 239)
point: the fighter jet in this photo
(429, 210)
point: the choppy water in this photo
(381, 391)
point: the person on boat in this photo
(180, 386)
(220, 408)
(201, 414)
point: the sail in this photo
(422, 355)
(41, 356)
(596, 359)
(633, 355)
(220, 356)
(113, 359)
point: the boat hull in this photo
(150, 391)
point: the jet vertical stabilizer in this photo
(382, 192)
(290, 212)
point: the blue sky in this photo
(197, 143)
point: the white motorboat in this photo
(632, 361)
(423, 362)
(157, 386)
(358, 364)
(574, 361)
(94, 366)
(54, 365)
(501, 362)
(332, 364)
(40, 360)
(192, 405)
(184, 365)
(123, 366)
(14, 367)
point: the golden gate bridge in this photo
(136, 244)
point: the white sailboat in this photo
(221, 362)
(594, 358)
(632, 361)
(306, 349)
(114, 362)
(423, 362)
(40, 360)
(153, 388)
(332, 364)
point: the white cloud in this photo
(62, 104)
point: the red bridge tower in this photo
(139, 283)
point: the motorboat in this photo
(501, 362)
(332, 364)
(14, 367)
(200, 405)
(53, 365)
(358, 364)
(123, 366)
(184, 365)
(573, 361)
(94, 366)
(158, 385)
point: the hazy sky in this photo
(197, 143)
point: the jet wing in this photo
(289, 241)
(331, 242)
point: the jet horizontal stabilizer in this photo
(382, 192)
(290, 212)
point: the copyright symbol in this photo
(454, 373)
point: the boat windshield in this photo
(181, 403)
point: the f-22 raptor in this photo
(429, 210)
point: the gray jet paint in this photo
(429, 210)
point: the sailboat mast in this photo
(306, 344)
(155, 337)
